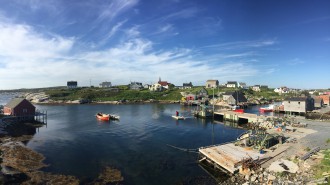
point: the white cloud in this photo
(31, 59)
(22, 41)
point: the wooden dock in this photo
(236, 117)
(227, 156)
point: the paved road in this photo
(319, 138)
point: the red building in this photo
(19, 107)
(326, 99)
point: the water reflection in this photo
(137, 145)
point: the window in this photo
(25, 111)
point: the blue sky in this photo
(277, 43)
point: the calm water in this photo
(75, 143)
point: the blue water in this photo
(75, 143)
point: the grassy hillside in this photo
(99, 94)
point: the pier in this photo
(227, 157)
(239, 117)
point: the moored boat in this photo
(270, 108)
(237, 108)
(178, 117)
(103, 117)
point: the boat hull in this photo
(178, 117)
(239, 110)
(265, 110)
(103, 117)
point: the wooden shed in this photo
(20, 107)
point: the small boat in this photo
(178, 117)
(244, 135)
(237, 108)
(114, 117)
(103, 117)
(267, 109)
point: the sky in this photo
(45, 43)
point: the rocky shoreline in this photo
(289, 167)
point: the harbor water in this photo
(75, 143)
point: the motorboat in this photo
(178, 117)
(103, 117)
(270, 108)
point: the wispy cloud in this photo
(112, 32)
(114, 8)
(243, 44)
(182, 14)
(239, 55)
(314, 20)
(133, 32)
(295, 61)
(164, 28)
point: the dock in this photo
(237, 117)
(227, 156)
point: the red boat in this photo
(267, 109)
(103, 117)
(239, 110)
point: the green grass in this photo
(328, 141)
(99, 94)
(324, 166)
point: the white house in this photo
(256, 88)
(282, 90)
(156, 87)
(232, 84)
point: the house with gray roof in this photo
(135, 86)
(298, 105)
(212, 84)
(234, 98)
(105, 84)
